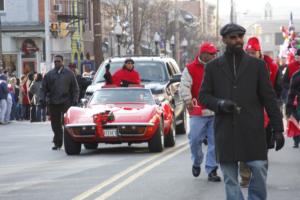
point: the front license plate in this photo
(110, 132)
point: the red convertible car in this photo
(119, 115)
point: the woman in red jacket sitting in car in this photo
(123, 77)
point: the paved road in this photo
(29, 169)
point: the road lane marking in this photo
(118, 176)
(138, 174)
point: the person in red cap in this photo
(123, 77)
(253, 48)
(201, 119)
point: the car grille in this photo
(84, 131)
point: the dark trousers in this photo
(56, 115)
(296, 140)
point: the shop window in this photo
(10, 62)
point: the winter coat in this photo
(35, 89)
(240, 136)
(293, 94)
(289, 72)
(3, 90)
(60, 87)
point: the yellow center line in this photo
(138, 174)
(118, 176)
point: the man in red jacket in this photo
(123, 77)
(253, 48)
(201, 119)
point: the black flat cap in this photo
(232, 28)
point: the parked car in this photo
(119, 115)
(160, 74)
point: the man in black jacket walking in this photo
(237, 88)
(59, 91)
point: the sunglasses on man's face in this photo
(57, 61)
(234, 37)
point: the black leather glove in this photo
(279, 140)
(226, 106)
(108, 78)
(107, 67)
(124, 83)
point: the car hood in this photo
(156, 87)
(123, 113)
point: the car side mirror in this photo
(175, 79)
(84, 102)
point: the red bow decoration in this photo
(103, 117)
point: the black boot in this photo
(213, 176)
(196, 171)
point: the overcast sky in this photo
(253, 10)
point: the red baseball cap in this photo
(253, 44)
(207, 47)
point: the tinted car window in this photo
(148, 70)
(110, 96)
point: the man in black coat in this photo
(59, 91)
(237, 87)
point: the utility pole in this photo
(135, 16)
(1, 53)
(177, 39)
(231, 12)
(217, 22)
(47, 36)
(203, 16)
(97, 33)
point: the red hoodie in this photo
(123, 74)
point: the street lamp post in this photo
(118, 31)
(184, 45)
(172, 42)
(156, 40)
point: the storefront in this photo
(23, 49)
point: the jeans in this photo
(199, 128)
(18, 111)
(257, 188)
(8, 110)
(3, 108)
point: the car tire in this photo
(91, 146)
(71, 147)
(156, 143)
(181, 128)
(170, 138)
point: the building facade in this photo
(23, 37)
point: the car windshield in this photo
(149, 71)
(120, 95)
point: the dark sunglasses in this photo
(57, 61)
(233, 37)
